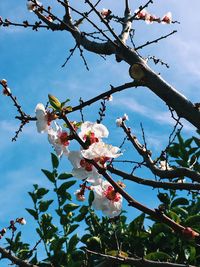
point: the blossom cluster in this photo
(149, 18)
(12, 226)
(92, 134)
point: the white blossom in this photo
(31, 6)
(125, 117)
(42, 118)
(79, 195)
(143, 14)
(119, 122)
(58, 138)
(164, 165)
(82, 169)
(167, 18)
(97, 129)
(21, 221)
(106, 199)
(99, 150)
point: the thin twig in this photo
(155, 41)
(140, 262)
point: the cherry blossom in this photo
(32, 6)
(43, 121)
(59, 139)
(149, 19)
(164, 165)
(167, 18)
(80, 195)
(143, 14)
(6, 91)
(107, 199)
(120, 120)
(93, 132)
(101, 150)
(105, 12)
(21, 221)
(82, 169)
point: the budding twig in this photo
(155, 41)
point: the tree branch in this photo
(14, 259)
(170, 174)
(154, 184)
(136, 262)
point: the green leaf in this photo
(193, 220)
(160, 228)
(180, 211)
(137, 223)
(179, 201)
(54, 102)
(91, 197)
(72, 243)
(190, 253)
(174, 216)
(54, 161)
(33, 196)
(49, 175)
(41, 192)
(164, 198)
(64, 176)
(80, 217)
(188, 142)
(85, 237)
(94, 243)
(197, 141)
(65, 186)
(72, 228)
(64, 102)
(44, 205)
(180, 139)
(33, 213)
(159, 255)
(117, 253)
(70, 207)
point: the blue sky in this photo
(31, 63)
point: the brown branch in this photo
(14, 259)
(67, 18)
(183, 107)
(89, 102)
(154, 184)
(136, 261)
(25, 24)
(155, 41)
(118, 40)
(76, 31)
(170, 174)
(112, 91)
(126, 23)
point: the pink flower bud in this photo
(21, 221)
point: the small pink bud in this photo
(3, 82)
(80, 195)
(6, 91)
(21, 221)
(167, 18)
(105, 12)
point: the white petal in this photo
(40, 111)
(98, 129)
(75, 158)
(42, 126)
(101, 149)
